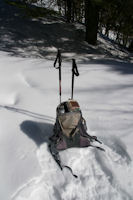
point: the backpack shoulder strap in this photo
(56, 157)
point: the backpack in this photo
(70, 130)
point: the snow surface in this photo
(28, 100)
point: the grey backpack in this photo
(69, 130)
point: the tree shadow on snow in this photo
(29, 113)
(38, 132)
(27, 37)
(21, 35)
(121, 66)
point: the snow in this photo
(29, 96)
(28, 101)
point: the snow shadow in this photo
(28, 113)
(124, 66)
(116, 145)
(38, 132)
(104, 168)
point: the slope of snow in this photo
(29, 96)
(28, 100)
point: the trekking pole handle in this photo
(74, 72)
(74, 68)
(59, 59)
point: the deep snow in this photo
(28, 100)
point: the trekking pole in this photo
(74, 72)
(59, 59)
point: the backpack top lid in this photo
(68, 106)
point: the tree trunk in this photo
(91, 21)
(59, 6)
(69, 10)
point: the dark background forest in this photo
(104, 16)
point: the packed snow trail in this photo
(28, 99)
